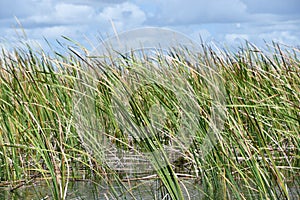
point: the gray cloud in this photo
(77, 21)
(215, 20)
(22, 9)
(177, 12)
(280, 7)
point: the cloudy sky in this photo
(219, 21)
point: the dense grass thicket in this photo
(256, 151)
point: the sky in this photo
(223, 22)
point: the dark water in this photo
(146, 190)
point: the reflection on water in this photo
(146, 190)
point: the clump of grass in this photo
(59, 123)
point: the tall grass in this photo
(256, 149)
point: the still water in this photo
(147, 190)
(144, 190)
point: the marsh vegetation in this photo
(256, 150)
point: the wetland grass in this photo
(256, 154)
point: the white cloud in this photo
(229, 21)
(76, 20)
(62, 13)
(194, 32)
(73, 13)
(55, 31)
(94, 2)
(236, 39)
(124, 16)
(204, 34)
(284, 37)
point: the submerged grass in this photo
(256, 154)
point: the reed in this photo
(255, 151)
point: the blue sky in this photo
(220, 21)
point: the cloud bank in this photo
(223, 21)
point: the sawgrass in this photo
(58, 123)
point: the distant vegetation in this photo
(256, 154)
